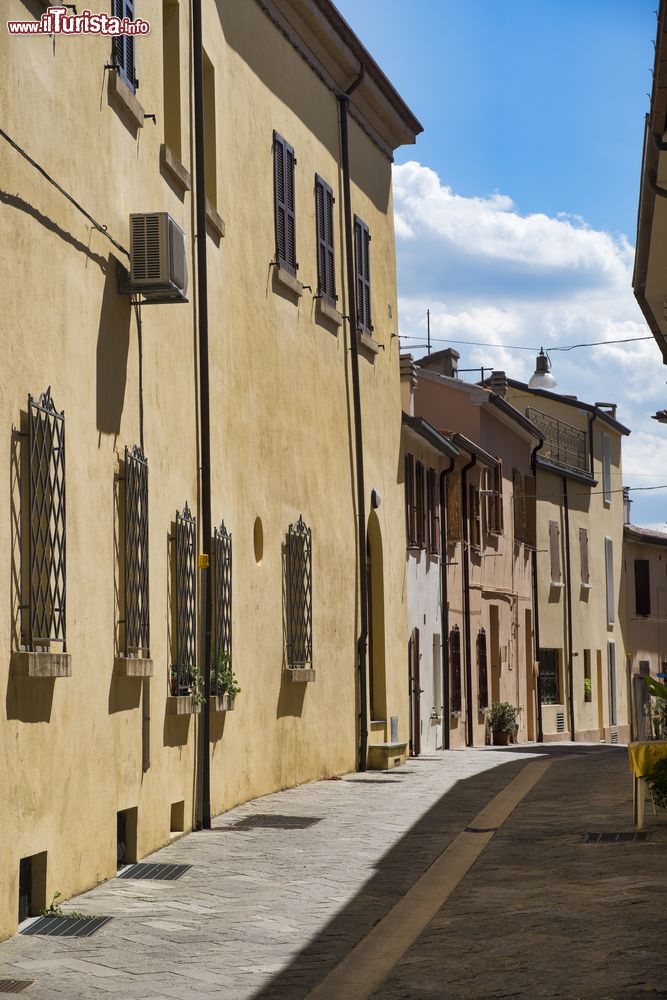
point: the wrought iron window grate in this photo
(47, 534)
(137, 613)
(455, 659)
(299, 595)
(483, 682)
(183, 670)
(550, 678)
(222, 603)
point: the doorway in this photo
(415, 692)
(494, 636)
(600, 704)
(530, 680)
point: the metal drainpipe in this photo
(536, 601)
(343, 100)
(466, 597)
(204, 414)
(568, 596)
(590, 440)
(444, 606)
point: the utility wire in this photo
(97, 225)
(521, 347)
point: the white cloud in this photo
(488, 273)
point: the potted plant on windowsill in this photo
(224, 685)
(502, 721)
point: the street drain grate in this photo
(66, 926)
(155, 873)
(270, 821)
(15, 985)
(638, 837)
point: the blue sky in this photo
(516, 209)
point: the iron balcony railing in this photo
(563, 443)
(184, 669)
(299, 595)
(222, 606)
(137, 613)
(47, 590)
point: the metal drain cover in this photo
(638, 837)
(155, 873)
(66, 926)
(271, 821)
(15, 985)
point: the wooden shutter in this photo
(123, 45)
(284, 206)
(419, 505)
(530, 507)
(642, 587)
(475, 518)
(326, 272)
(410, 512)
(609, 577)
(363, 274)
(498, 498)
(435, 533)
(583, 555)
(453, 507)
(606, 469)
(554, 550)
(519, 505)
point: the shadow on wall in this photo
(113, 344)
(30, 699)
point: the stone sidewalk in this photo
(272, 904)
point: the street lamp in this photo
(542, 377)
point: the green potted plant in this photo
(224, 685)
(502, 720)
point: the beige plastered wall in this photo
(281, 426)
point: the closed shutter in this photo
(433, 514)
(496, 501)
(642, 587)
(419, 505)
(611, 662)
(519, 505)
(123, 45)
(410, 518)
(609, 574)
(363, 274)
(285, 212)
(326, 273)
(554, 550)
(583, 555)
(454, 507)
(475, 518)
(530, 507)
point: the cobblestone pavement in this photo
(267, 910)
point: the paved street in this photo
(272, 906)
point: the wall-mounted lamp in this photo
(376, 499)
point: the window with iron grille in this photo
(362, 240)
(284, 163)
(550, 676)
(185, 604)
(46, 577)
(222, 606)
(455, 660)
(123, 45)
(299, 595)
(482, 674)
(326, 266)
(135, 538)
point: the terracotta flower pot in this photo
(500, 739)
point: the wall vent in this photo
(614, 736)
(155, 873)
(560, 722)
(66, 926)
(636, 837)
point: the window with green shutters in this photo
(284, 163)
(123, 45)
(362, 272)
(326, 269)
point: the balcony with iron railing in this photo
(563, 443)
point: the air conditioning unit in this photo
(158, 265)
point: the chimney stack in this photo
(408, 383)
(498, 383)
(443, 362)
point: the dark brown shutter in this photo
(475, 518)
(410, 499)
(326, 273)
(419, 489)
(123, 45)
(519, 505)
(363, 274)
(453, 507)
(530, 508)
(642, 587)
(554, 550)
(498, 498)
(285, 209)
(583, 555)
(435, 533)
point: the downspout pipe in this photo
(444, 606)
(536, 602)
(590, 442)
(204, 405)
(362, 640)
(466, 597)
(568, 598)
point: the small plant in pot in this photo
(502, 720)
(224, 678)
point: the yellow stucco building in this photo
(100, 520)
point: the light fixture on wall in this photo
(376, 499)
(542, 377)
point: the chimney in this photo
(443, 362)
(408, 383)
(498, 383)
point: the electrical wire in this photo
(521, 347)
(98, 225)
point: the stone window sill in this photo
(557, 584)
(587, 586)
(175, 168)
(282, 276)
(182, 704)
(125, 100)
(133, 666)
(215, 220)
(368, 346)
(27, 664)
(301, 675)
(325, 309)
